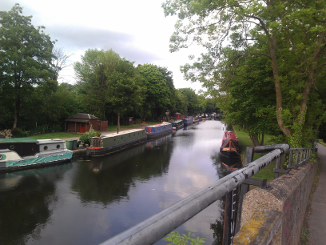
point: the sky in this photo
(137, 30)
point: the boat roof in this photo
(157, 125)
(124, 132)
(18, 140)
(48, 141)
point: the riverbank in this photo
(245, 141)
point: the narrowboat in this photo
(105, 145)
(230, 145)
(188, 121)
(22, 153)
(178, 124)
(157, 130)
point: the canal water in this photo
(88, 201)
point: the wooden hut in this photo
(83, 122)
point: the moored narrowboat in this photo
(157, 130)
(21, 153)
(115, 142)
(188, 121)
(178, 124)
(230, 145)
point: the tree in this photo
(25, 57)
(181, 102)
(108, 81)
(159, 90)
(291, 34)
(192, 99)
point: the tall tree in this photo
(25, 56)
(159, 90)
(192, 98)
(107, 80)
(291, 34)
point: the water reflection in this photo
(108, 179)
(25, 199)
(95, 199)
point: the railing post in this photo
(296, 157)
(290, 159)
(277, 167)
(249, 155)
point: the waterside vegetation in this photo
(108, 86)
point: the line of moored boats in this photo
(21, 153)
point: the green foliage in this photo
(25, 59)
(193, 101)
(107, 82)
(17, 132)
(159, 91)
(175, 238)
(287, 41)
(87, 136)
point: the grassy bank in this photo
(244, 141)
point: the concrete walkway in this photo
(317, 219)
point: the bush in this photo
(17, 132)
(86, 138)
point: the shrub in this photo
(17, 132)
(86, 138)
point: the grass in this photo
(321, 142)
(244, 141)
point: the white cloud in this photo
(136, 30)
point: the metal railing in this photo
(156, 227)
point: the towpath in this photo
(317, 219)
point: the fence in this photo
(157, 226)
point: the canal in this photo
(88, 201)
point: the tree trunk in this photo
(118, 123)
(16, 111)
(262, 139)
(254, 139)
(278, 91)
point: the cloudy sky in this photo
(136, 30)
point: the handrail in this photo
(156, 227)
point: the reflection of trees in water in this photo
(24, 207)
(108, 179)
(217, 226)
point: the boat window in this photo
(58, 146)
(12, 147)
(45, 148)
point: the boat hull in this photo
(155, 135)
(158, 130)
(39, 160)
(102, 151)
